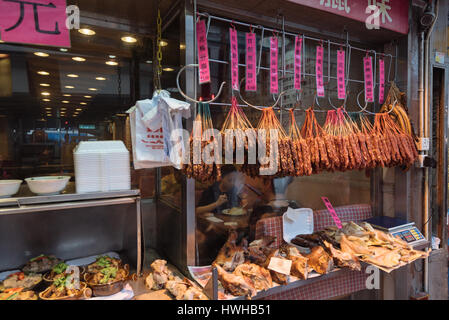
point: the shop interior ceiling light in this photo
(46, 100)
(93, 89)
(88, 97)
(69, 87)
(79, 59)
(100, 78)
(71, 75)
(45, 93)
(41, 54)
(163, 43)
(63, 49)
(65, 101)
(182, 46)
(43, 73)
(168, 69)
(111, 56)
(111, 63)
(87, 31)
(83, 103)
(67, 95)
(44, 84)
(129, 39)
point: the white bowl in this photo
(47, 185)
(9, 187)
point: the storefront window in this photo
(53, 98)
(264, 197)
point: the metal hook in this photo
(363, 109)
(253, 106)
(191, 99)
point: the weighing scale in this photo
(407, 231)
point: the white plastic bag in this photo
(152, 124)
(148, 147)
(168, 115)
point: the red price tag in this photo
(274, 85)
(341, 75)
(203, 52)
(298, 50)
(234, 59)
(332, 212)
(381, 80)
(319, 71)
(251, 76)
(368, 68)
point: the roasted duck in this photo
(343, 259)
(159, 276)
(259, 250)
(184, 290)
(276, 276)
(300, 267)
(259, 277)
(234, 284)
(320, 260)
(231, 255)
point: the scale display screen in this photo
(409, 235)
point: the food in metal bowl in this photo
(42, 263)
(103, 262)
(22, 280)
(58, 270)
(17, 294)
(107, 281)
(65, 287)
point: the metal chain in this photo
(159, 50)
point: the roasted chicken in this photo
(320, 260)
(343, 259)
(234, 284)
(259, 277)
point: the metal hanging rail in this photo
(329, 43)
(283, 70)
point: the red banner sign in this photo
(251, 76)
(41, 22)
(203, 52)
(234, 58)
(391, 14)
(274, 85)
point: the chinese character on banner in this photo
(41, 22)
(383, 7)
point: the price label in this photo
(298, 50)
(341, 74)
(203, 52)
(319, 71)
(280, 265)
(332, 212)
(251, 77)
(274, 85)
(369, 86)
(234, 58)
(381, 80)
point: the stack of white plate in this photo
(101, 166)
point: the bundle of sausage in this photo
(203, 164)
(239, 140)
(299, 149)
(278, 146)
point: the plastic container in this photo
(101, 166)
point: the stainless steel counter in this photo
(71, 226)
